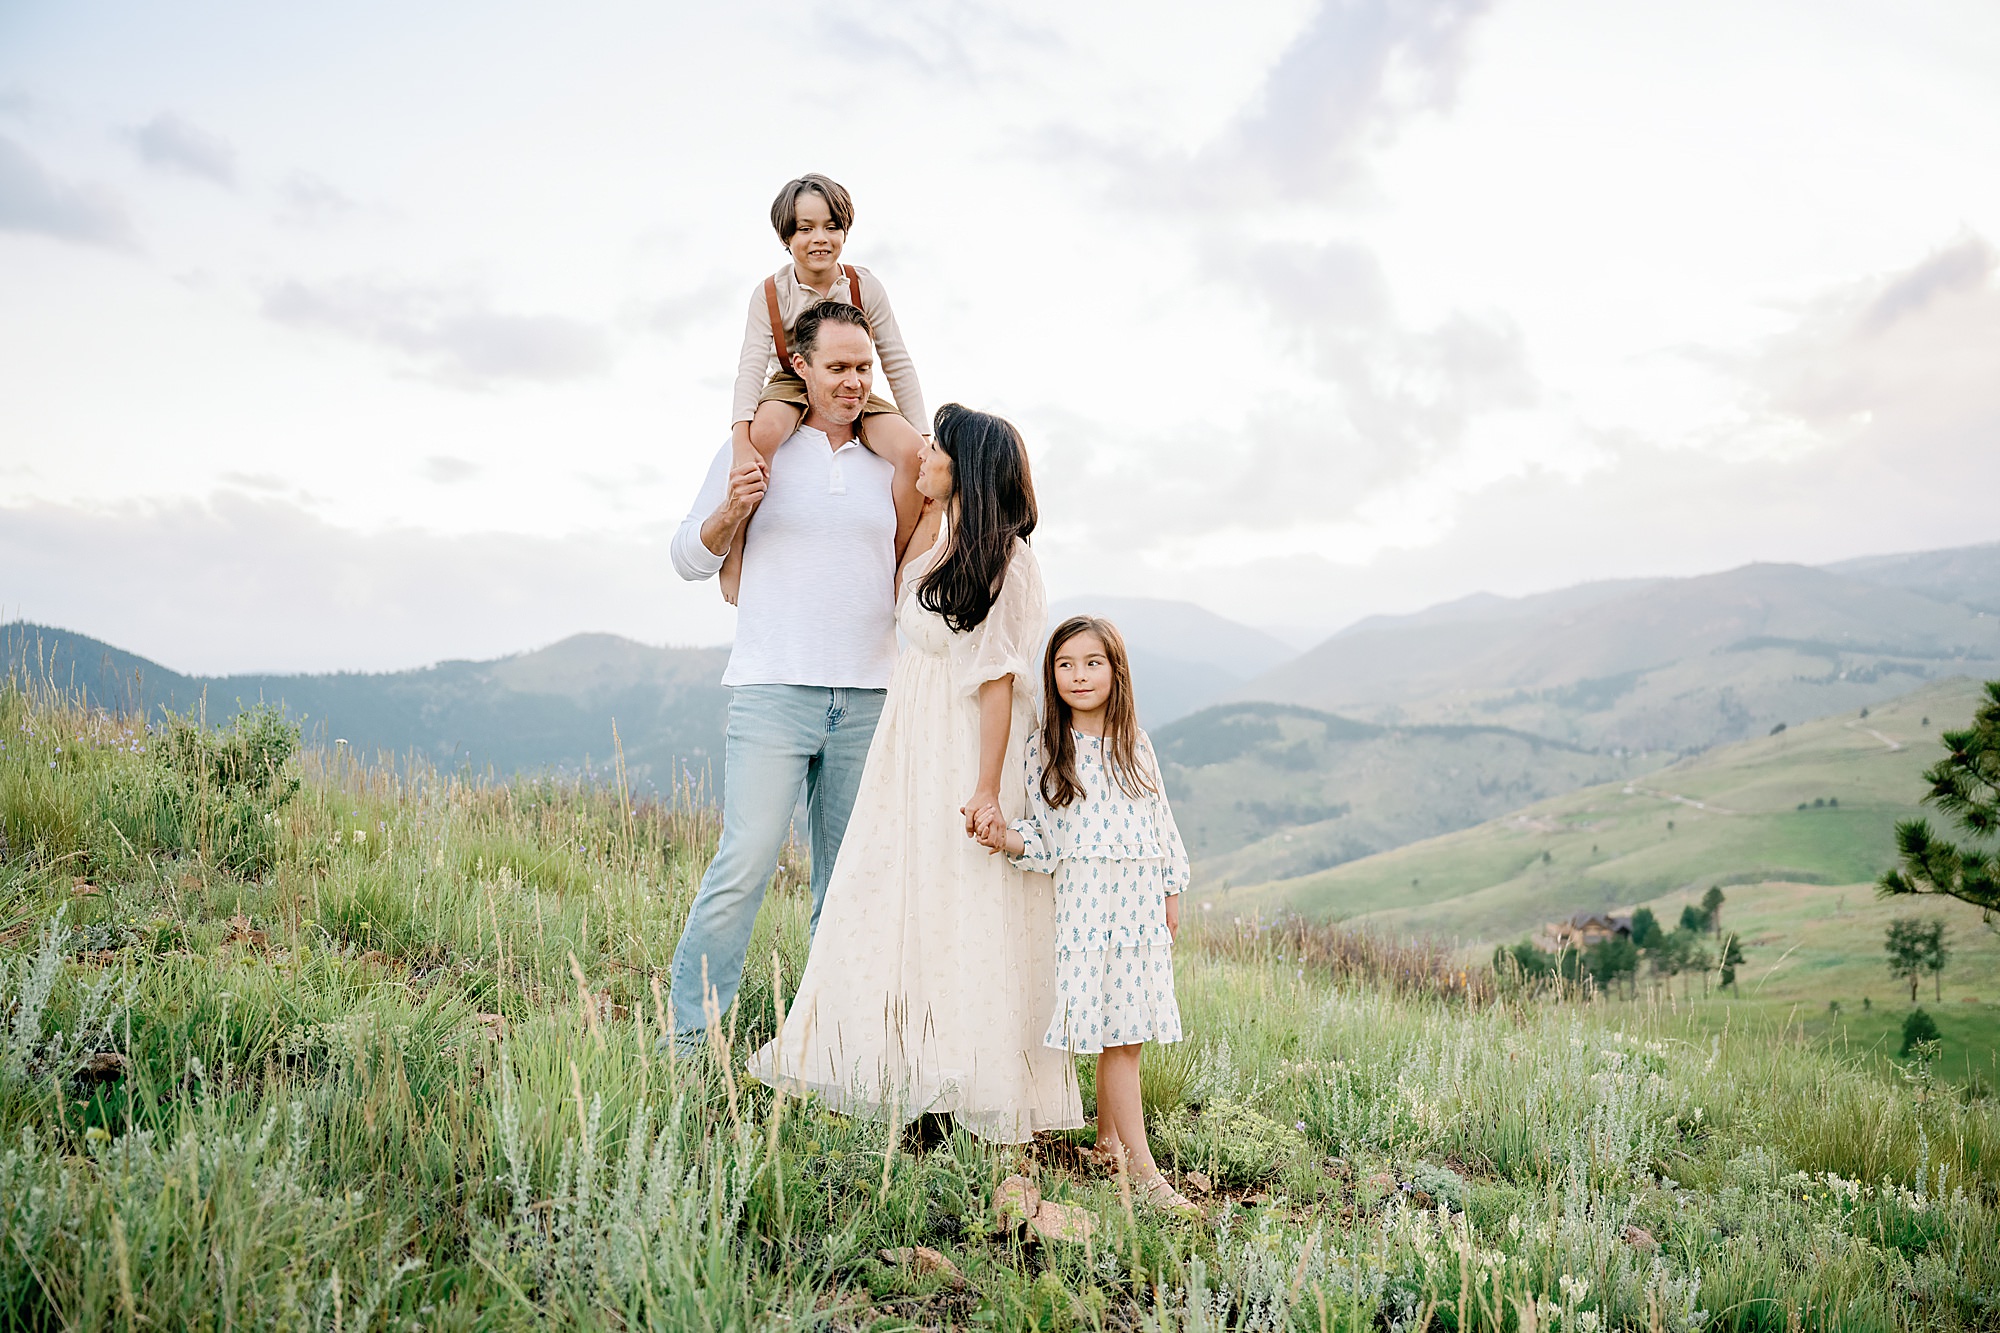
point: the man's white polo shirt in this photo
(816, 606)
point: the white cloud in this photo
(1340, 305)
(454, 335)
(32, 199)
(309, 201)
(171, 142)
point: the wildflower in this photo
(1587, 1321)
(360, 835)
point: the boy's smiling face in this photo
(817, 244)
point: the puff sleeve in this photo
(1036, 826)
(1006, 642)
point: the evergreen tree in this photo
(1966, 786)
(1732, 958)
(1693, 919)
(1609, 961)
(1646, 930)
(1711, 907)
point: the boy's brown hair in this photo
(1060, 784)
(785, 208)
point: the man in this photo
(815, 644)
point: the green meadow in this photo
(1816, 803)
(292, 1041)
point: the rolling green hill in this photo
(548, 709)
(1265, 791)
(1814, 804)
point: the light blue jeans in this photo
(779, 736)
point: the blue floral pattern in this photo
(1115, 858)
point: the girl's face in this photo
(934, 476)
(1083, 674)
(816, 245)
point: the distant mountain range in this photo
(553, 708)
(1183, 657)
(1664, 664)
(1395, 729)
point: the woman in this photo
(932, 972)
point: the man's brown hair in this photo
(785, 208)
(805, 332)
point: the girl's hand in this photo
(1173, 916)
(983, 805)
(992, 834)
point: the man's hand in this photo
(747, 484)
(1173, 916)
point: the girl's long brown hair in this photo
(1121, 719)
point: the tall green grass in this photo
(399, 1068)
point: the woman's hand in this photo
(994, 835)
(1173, 916)
(984, 805)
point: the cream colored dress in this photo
(932, 974)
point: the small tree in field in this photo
(1965, 785)
(1732, 958)
(1646, 930)
(1915, 947)
(1711, 907)
(1936, 955)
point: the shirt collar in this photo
(789, 276)
(820, 437)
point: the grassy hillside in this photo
(1675, 665)
(552, 708)
(1815, 958)
(377, 1052)
(1730, 816)
(1264, 791)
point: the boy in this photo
(812, 216)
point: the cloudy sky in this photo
(367, 335)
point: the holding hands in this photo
(985, 825)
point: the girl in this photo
(933, 965)
(1097, 818)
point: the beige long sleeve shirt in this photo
(759, 359)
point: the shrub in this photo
(1234, 1144)
(1918, 1028)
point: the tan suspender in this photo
(777, 320)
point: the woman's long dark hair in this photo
(996, 504)
(1120, 746)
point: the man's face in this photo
(840, 375)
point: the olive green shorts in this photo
(787, 387)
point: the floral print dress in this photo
(1115, 858)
